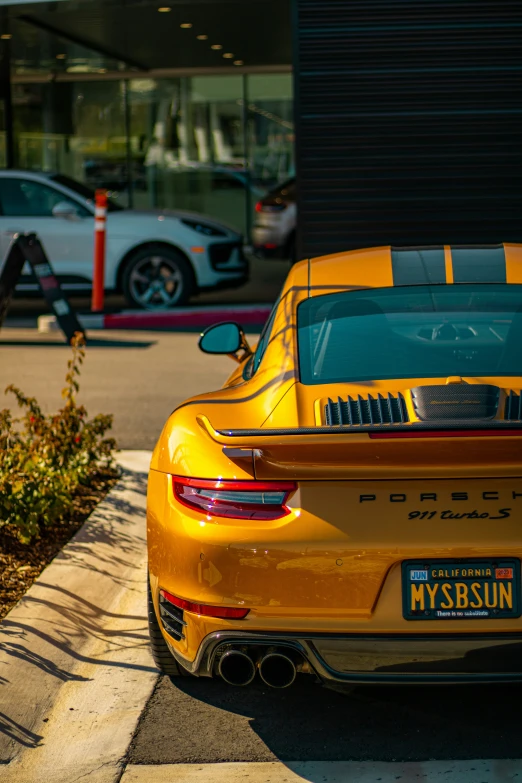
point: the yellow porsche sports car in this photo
(349, 504)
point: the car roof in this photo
(381, 267)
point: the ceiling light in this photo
(228, 56)
(238, 62)
(202, 37)
(6, 37)
(61, 56)
(216, 46)
(186, 25)
(164, 9)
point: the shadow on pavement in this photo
(53, 628)
(212, 722)
(97, 342)
(70, 618)
(18, 733)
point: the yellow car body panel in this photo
(332, 565)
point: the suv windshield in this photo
(411, 332)
(82, 190)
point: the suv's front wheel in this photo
(157, 277)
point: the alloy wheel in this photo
(156, 282)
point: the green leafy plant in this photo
(43, 459)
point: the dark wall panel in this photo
(409, 118)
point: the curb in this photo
(75, 667)
(432, 771)
(182, 318)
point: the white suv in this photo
(157, 258)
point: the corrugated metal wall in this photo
(409, 116)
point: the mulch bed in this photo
(21, 564)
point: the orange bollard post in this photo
(98, 279)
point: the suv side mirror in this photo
(65, 210)
(224, 338)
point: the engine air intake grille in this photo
(353, 412)
(456, 401)
(513, 409)
(172, 618)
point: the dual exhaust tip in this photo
(275, 669)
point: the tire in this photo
(161, 654)
(157, 277)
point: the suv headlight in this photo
(203, 228)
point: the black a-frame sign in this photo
(27, 247)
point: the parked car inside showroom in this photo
(157, 258)
(275, 223)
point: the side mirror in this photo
(65, 210)
(225, 338)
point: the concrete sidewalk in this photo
(75, 667)
(480, 771)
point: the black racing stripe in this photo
(479, 264)
(418, 265)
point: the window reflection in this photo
(209, 144)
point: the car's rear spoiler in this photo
(435, 449)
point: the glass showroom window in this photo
(98, 143)
(188, 140)
(170, 143)
(77, 129)
(270, 128)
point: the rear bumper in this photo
(276, 253)
(423, 659)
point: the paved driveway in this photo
(140, 377)
(213, 722)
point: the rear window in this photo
(411, 332)
(284, 192)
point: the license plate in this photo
(461, 589)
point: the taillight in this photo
(271, 206)
(238, 499)
(224, 612)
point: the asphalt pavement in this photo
(139, 377)
(200, 721)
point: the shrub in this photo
(43, 459)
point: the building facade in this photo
(189, 109)
(402, 119)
